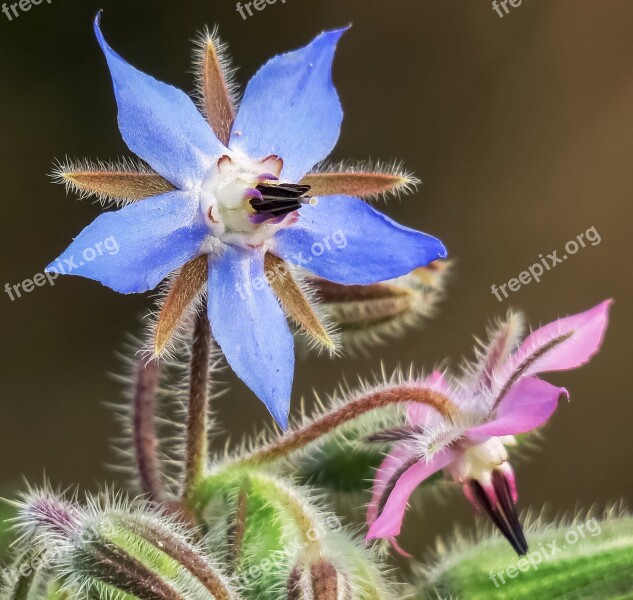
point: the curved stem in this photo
(197, 419)
(302, 515)
(329, 422)
(144, 429)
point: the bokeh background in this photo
(521, 128)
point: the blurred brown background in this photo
(521, 128)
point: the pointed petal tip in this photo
(97, 25)
(442, 252)
(281, 419)
(105, 47)
(328, 40)
(399, 549)
(436, 250)
(604, 306)
(601, 309)
(335, 34)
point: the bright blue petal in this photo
(345, 240)
(291, 108)
(160, 123)
(133, 249)
(251, 328)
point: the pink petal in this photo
(421, 414)
(528, 405)
(399, 455)
(586, 332)
(389, 523)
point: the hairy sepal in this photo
(215, 83)
(300, 304)
(368, 316)
(361, 180)
(179, 300)
(111, 183)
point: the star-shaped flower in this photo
(499, 397)
(229, 199)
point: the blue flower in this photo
(229, 197)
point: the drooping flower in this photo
(229, 200)
(499, 397)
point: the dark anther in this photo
(503, 513)
(279, 200)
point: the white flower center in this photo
(478, 461)
(236, 211)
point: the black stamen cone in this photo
(279, 200)
(502, 488)
(502, 514)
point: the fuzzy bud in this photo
(280, 539)
(367, 314)
(119, 550)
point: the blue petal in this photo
(345, 240)
(291, 108)
(133, 249)
(251, 328)
(160, 123)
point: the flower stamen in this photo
(278, 200)
(495, 500)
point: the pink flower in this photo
(499, 397)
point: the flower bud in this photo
(367, 314)
(120, 550)
(321, 581)
(280, 539)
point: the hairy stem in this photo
(237, 529)
(300, 438)
(145, 439)
(188, 558)
(197, 419)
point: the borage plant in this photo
(233, 215)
